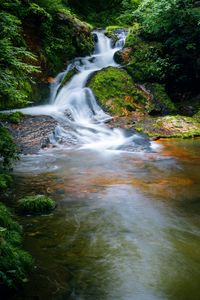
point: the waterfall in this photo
(74, 106)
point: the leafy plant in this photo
(14, 262)
(8, 149)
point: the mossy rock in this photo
(169, 126)
(67, 78)
(161, 103)
(15, 263)
(197, 116)
(37, 204)
(117, 93)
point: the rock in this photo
(95, 37)
(31, 134)
(168, 126)
(121, 96)
(123, 56)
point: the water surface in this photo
(126, 226)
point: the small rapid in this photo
(74, 106)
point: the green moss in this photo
(111, 32)
(197, 116)
(116, 91)
(37, 204)
(15, 117)
(14, 263)
(161, 103)
(169, 126)
(67, 77)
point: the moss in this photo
(169, 126)
(15, 117)
(14, 263)
(111, 32)
(116, 91)
(67, 77)
(37, 204)
(197, 116)
(161, 103)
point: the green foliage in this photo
(5, 181)
(147, 62)
(14, 117)
(99, 13)
(8, 149)
(14, 262)
(176, 24)
(15, 85)
(37, 204)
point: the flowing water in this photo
(81, 120)
(127, 224)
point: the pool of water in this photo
(126, 225)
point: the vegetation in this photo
(168, 126)
(37, 204)
(36, 36)
(119, 95)
(14, 117)
(165, 46)
(8, 149)
(14, 262)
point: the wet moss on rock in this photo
(37, 204)
(161, 102)
(116, 91)
(169, 126)
(120, 95)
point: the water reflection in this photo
(126, 227)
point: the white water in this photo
(74, 106)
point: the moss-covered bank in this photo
(15, 263)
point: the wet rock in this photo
(95, 37)
(31, 134)
(123, 56)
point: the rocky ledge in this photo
(162, 126)
(31, 133)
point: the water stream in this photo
(127, 223)
(81, 120)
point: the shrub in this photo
(37, 204)
(14, 263)
(8, 149)
(13, 117)
(5, 181)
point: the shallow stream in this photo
(127, 224)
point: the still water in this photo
(126, 226)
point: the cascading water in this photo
(74, 106)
